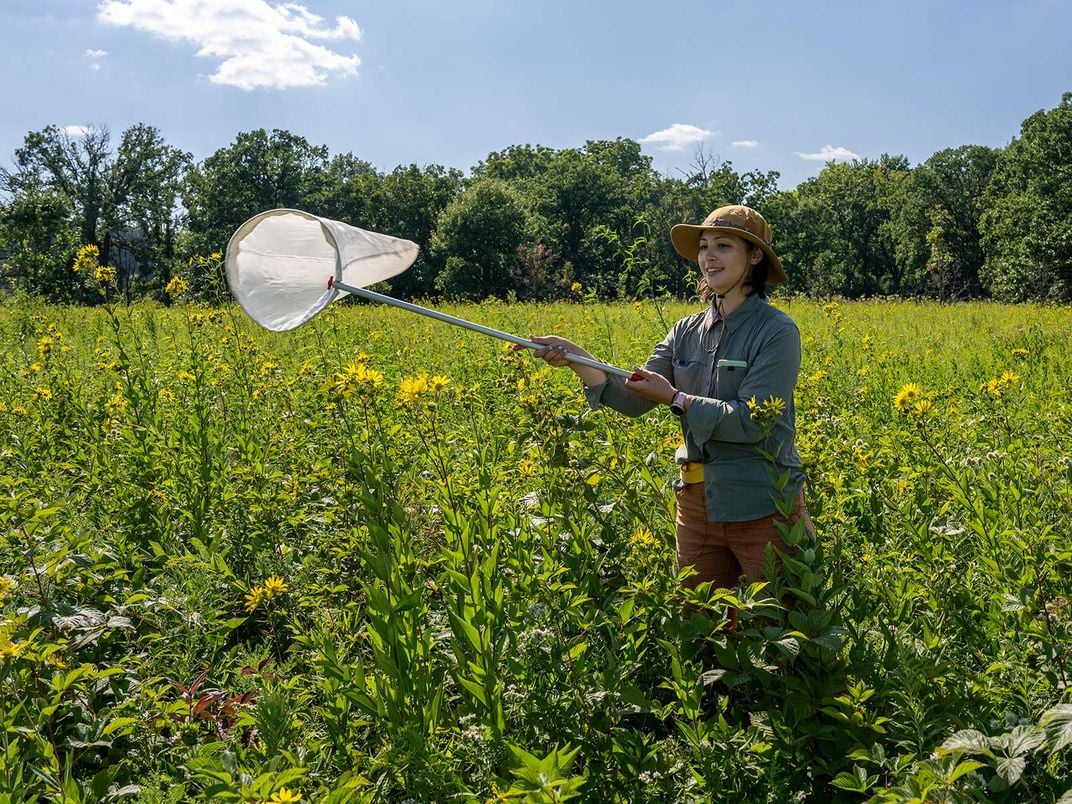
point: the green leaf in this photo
(118, 723)
(577, 650)
(962, 768)
(857, 782)
(1057, 725)
(1010, 768)
(475, 690)
(967, 741)
(1023, 740)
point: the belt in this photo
(691, 472)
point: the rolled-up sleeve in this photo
(613, 392)
(772, 373)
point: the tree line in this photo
(535, 223)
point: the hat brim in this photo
(686, 240)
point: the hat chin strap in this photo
(721, 297)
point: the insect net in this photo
(281, 264)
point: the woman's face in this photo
(726, 261)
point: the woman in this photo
(739, 465)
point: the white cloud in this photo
(678, 137)
(95, 54)
(746, 143)
(75, 130)
(829, 153)
(260, 44)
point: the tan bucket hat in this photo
(735, 219)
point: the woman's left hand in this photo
(652, 386)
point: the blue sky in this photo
(767, 85)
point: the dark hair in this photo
(757, 283)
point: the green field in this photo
(244, 566)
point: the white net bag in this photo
(282, 265)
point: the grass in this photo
(380, 558)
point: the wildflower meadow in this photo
(382, 559)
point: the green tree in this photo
(76, 169)
(412, 199)
(258, 172)
(588, 202)
(125, 203)
(833, 232)
(478, 235)
(1026, 225)
(934, 222)
(38, 237)
(147, 184)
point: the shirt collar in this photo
(737, 317)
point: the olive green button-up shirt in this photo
(723, 363)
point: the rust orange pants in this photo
(722, 552)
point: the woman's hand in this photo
(652, 386)
(555, 349)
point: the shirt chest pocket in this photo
(729, 374)
(691, 376)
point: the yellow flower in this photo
(907, 396)
(643, 539)
(576, 287)
(86, 259)
(274, 586)
(285, 796)
(923, 407)
(1020, 354)
(526, 468)
(104, 275)
(254, 598)
(44, 345)
(9, 649)
(355, 378)
(176, 287)
(117, 403)
(412, 389)
(40, 392)
(994, 387)
(1009, 379)
(767, 412)
(438, 383)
